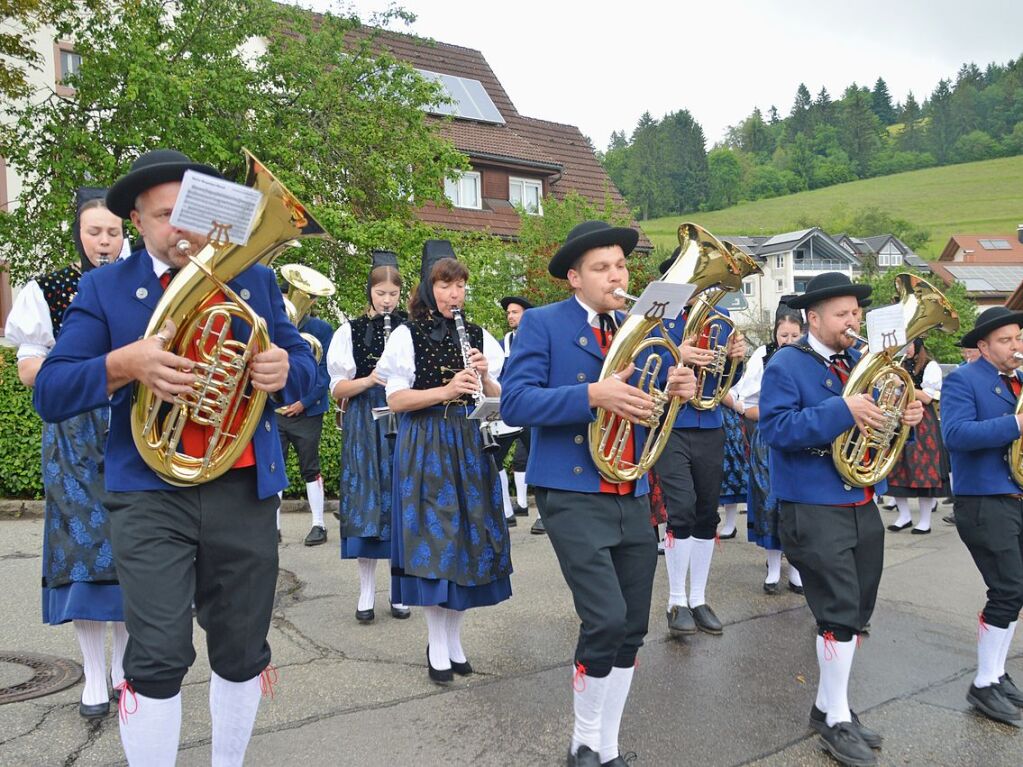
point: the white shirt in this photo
(932, 379)
(397, 365)
(747, 391)
(593, 316)
(821, 349)
(29, 326)
(340, 357)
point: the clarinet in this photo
(392, 420)
(489, 442)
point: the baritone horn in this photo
(305, 285)
(1016, 448)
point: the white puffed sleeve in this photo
(397, 365)
(932, 379)
(494, 353)
(340, 359)
(748, 388)
(28, 325)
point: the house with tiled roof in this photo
(886, 251)
(989, 266)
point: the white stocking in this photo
(699, 570)
(150, 730)
(233, 707)
(437, 633)
(926, 507)
(588, 704)
(508, 511)
(773, 566)
(835, 661)
(677, 552)
(904, 516)
(91, 636)
(731, 511)
(367, 582)
(618, 683)
(521, 490)
(989, 654)
(117, 648)
(314, 494)
(454, 629)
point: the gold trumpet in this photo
(305, 285)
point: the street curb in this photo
(16, 508)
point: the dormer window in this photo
(527, 193)
(464, 190)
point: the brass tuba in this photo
(863, 459)
(221, 397)
(701, 262)
(305, 285)
(716, 270)
(1016, 448)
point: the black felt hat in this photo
(151, 169)
(586, 236)
(829, 285)
(384, 258)
(665, 265)
(865, 302)
(989, 321)
(509, 300)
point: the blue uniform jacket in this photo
(978, 425)
(554, 358)
(689, 417)
(112, 309)
(317, 401)
(801, 407)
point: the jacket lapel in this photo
(144, 283)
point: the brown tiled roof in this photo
(500, 221)
(495, 142)
(980, 254)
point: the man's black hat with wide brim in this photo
(989, 321)
(665, 265)
(586, 236)
(509, 300)
(159, 166)
(829, 285)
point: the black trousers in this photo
(304, 433)
(991, 526)
(839, 551)
(215, 544)
(691, 469)
(521, 452)
(608, 554)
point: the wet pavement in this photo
(359, 695)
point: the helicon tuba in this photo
(864, 459)
(222, 397)
(700, 261)
(1016, 448)
(305, 285)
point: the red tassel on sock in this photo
(830, 645)
(122, 703)
(579, 678)
(981, 625)
(669, 540)
(268, 677)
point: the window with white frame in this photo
(464, 190)
(748, 287)
(70, 63)
(889, 256)
(779, 261)
(780, 285)
(527, 193)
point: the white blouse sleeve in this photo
(397, 365)
(28, 325)
(748, 388)
(494, 353)
(340, 360)
(932, 379)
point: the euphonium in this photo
(305, 285)
(716, 270)
(863, 459)
(222, 397)
(1016, 448)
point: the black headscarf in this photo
(83, 195)
(433, 251)
(380, 258)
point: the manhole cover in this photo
(28, 675)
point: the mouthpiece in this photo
(184, 247)
(619, 293)
(1018, 356)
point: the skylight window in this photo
(469, 99)
(995, 245)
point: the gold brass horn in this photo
(865, 458)
(222, 397)
(305, 285)
(1016, 448)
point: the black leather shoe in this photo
(441, 676)
(401, 613)
(819, 722)
(950, 519)
(317, 535)
(584, 757)
(994, 704)
(680, 621)
(538, 528)
(918, 531)
(728, 536)
(620, 760)
(771, 588)
(1010, 690)
(521, 511)
(511, 521)
(843, 741)
(795, 589)
(97, 711)
(365, 616)
(462, 669)
(706, 620)
(900, 528)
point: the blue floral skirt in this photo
(761, 505)
(367, 459)
(450, 544)
(736, 475)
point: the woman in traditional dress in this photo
(367, 456)
(79, 577)
(736, 474)
(450, 549)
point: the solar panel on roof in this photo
(469, 99)
(995, 244)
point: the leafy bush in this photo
(21, 433)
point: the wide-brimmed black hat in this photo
(509, 300)
(586, 236)
(151, 169)
(665, 265)
(865, 302)
(829, 285)
(988, 321)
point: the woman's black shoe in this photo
(441, 676)
(462, 669)
(771, 588)
(401, 613)
(365, 616)
(97, 711)
(728, 536)
(795, 589)
(900, 528)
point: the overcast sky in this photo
(601, 69)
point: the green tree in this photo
(725, 178)
(911, 138)
(860, 134)
(881, 103)
(941, 134)
(685, 163)
(973, 146)
(824, 108)
(800, 119)
(755, 137)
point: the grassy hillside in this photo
(973, 198)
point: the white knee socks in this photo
(731, 511)
(437, 633)
(233, 707)
(520, 490)
(904, 516)
(280, 500)
(926, 507)
(773, 566)
(834, 659)
(990, 641)
(1004, 654)
(699, 570)
(505, 493)
(588, 703)
(794, 577)
(367, 582)
(314, 494)
(117, 653)
(150, 730)
(90, 638)
(677, 552)
(454, 629)
(618, 683)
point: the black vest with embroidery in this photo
(437, 363)
(367, 356)
(59, 288)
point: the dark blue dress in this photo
(736, 474)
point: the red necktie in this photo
(1013, 383)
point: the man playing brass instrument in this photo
(830, 530)
(600, 530)
(213, 544)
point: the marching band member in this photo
(979, 424)
(830, 530)
(735, 470)
(79, 577)
(367, 456)
(691, 471)
(213, 543)
(514, 307)
(600, 531)
(761, 503)
(450, 549)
